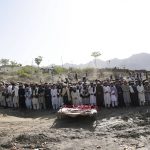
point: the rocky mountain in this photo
(137, 61)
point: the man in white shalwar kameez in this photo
(15, 97)
(55, 100)
(35, 101)
(107, 91)
(9, 96)
(114, 95)
(28, 100)
(141, 95)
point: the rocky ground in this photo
(114, 129)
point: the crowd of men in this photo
(108, 93)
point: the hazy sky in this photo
(73, 29)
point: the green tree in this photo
(38, 60)
(4, 62)
(95, 55)
(13, 64)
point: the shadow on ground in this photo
(87, 123)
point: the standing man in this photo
(35, 101)
(1, 94)
(54, 94)
(15, 97)
(147, 92)
(41, 93)
(133, 94)
(48, 101)
(28, 94)
(92, 92)
(141, 95)
(107, 92)
(120, 94)
(9, 96)
(21, 94)
(85, 95)
(99, 95)
(114, 95)
(75, 96)
(66, 95)
(126, 93)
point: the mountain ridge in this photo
(136, 61)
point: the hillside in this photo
(137, 61)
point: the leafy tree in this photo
(4, 62)
(38, 60)
(19, 65)
(13, 64)
(95, 55)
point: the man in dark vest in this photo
(133, 94)
(21, 94)
(48, 101)
(99, 95)
(120, 94)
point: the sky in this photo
(68, 31)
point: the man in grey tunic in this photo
(126, 93)
(147, 92)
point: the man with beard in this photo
(99, 95)
(41, 93)
(9, 96)
(35, 101)
(107, 98)
(1, 94)
(21, 94)
(75, 96)
(113, 95)
(59, 95)
(85, 95)
(133, 94)
(126, 93)
(28, 95)
(120, 94)
(15, 97)
(147, 92)
(141, 94)
(48, 101)
(92, 92)
(55, 100)
(66, 95)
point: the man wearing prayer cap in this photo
(141, 94)
(133, 94)
(99, 94)
(126, 93)
(107, 91)
(92, 92)
(66, 95)
(147, 92)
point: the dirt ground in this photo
(114, 129)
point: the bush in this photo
(27, 71)
(23, 74)
(59, 70)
